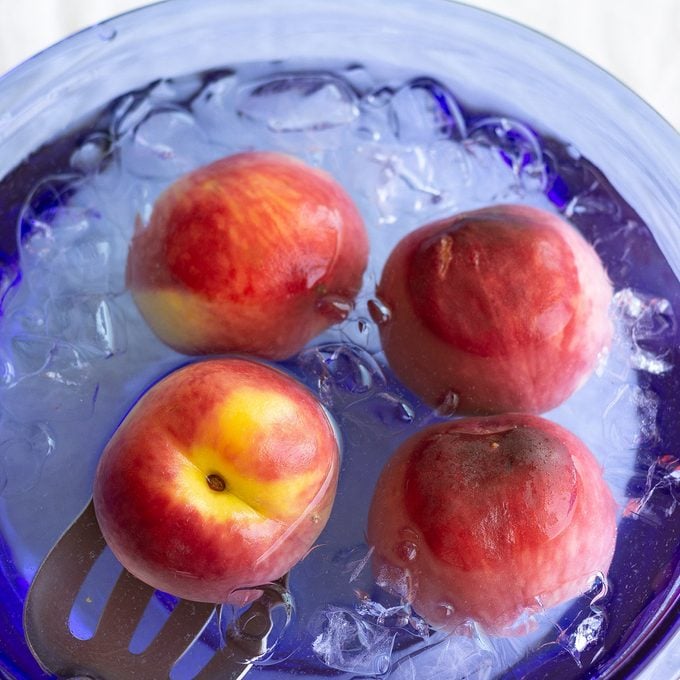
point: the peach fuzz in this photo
(220, 478)
(500, 309)
(491, 519)
(256, 253)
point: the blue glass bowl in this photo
(494, 67)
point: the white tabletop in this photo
(638, 42)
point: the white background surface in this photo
(638, 41)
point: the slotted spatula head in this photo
(106, 655)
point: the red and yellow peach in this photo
(220, 478)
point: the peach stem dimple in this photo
(216, 483)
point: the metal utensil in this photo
(105, 656)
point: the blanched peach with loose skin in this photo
(490, 519)
(256, 253)
(220, 478)
(495, 310)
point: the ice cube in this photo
(624, 431)
(515, 145)
(165, 144)
(299, 102)
(23, 451)
(456, 657)
(423, 111)
(180, 89)
(94, 324)
(347, 642)
(649, 325)
(63, 389)
(89, 157)
(584, 633)
(213, 108)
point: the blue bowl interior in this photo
(486, 81)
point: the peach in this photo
(500, 309)
(255, 253)
(491, 519)
(220, 478)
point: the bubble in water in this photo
(448, 405)
(106, 32)
(298, 103)
(406, 551)
(347, 642)
(423, 111)
(448, 609)
(335, 307)
(379, 311)
(391, 410)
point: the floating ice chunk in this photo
(585, 632)
(516, 146)
(393, 411)
(86, 267)
(95, 324)
(89, 157)
(47, 201)
(373, 122)
(346, 642)
(650, 326)
(213, 108)
(23, 451)
(405, 182)
(179, 90)
(455, 657)
(361, 80)
(297, 103)
(29, 353)
(423, 111)
(129, 112)
(662, 485)
(624, 431)
(63, 389)
(9, 278)
(164, 144)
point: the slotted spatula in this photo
(105, 656)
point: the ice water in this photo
(75, 354)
